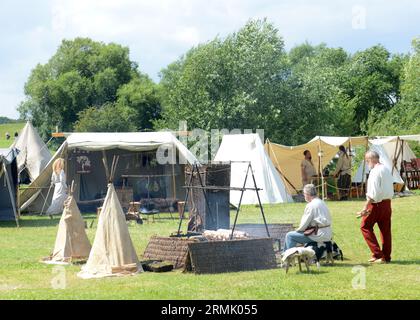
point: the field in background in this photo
(11, 128)
(23, 277)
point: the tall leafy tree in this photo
(81, 74)
(404, 117)
(236, 82)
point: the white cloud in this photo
(157, 32)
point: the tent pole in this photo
(12, 199)
(259, 200)
(394, 159)
(18, 199)
(351, 160)
(402, 164)
(279, 171)
(105, 161)
(363, 183)
(320, 168)
(239, 205)
(173, 182)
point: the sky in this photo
(158, 32)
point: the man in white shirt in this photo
(316, 214)
(377, 209)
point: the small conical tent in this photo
(71, 242)
(112, 251)
(33, 154)
(8, 186)
(249, 148)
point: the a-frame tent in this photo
(287, 159)
(33, 153)
(242, 149)
(8, 185)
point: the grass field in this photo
(11, 128)
(23, 277)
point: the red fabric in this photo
(380, 214)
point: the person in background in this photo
(377, 209)
(58, 180)
(316, 214)
(343, 173)
(307, 168)
(7, 136)
(16, 135)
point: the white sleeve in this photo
(306, 219)
(374, 186)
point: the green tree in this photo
(141, 95)
(372, 81)
(236, 82)
(404, 117)
(81, 74)
(107, 118)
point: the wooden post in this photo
(320, 168)
(173, 182)
(403, 167)
(394, 159)
(363, 183)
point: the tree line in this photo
(246, 80)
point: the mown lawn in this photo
(23, 277)
(11, 128)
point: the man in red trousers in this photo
(377, 209)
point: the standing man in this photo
(307, 168)
(343, 173)
(380, 190)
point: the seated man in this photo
(316, 214)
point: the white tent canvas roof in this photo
(248, 147)
(391, 150)
(32, 198)
(288, 159)
(33, 153)
(112, 251)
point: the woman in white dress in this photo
(58, 179)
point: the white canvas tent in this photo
(33, 154)
(8, 185)
(287, 159)
(71, 241)
(96, 147)
(392, 151)
(248, 147)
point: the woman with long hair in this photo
(58, 179)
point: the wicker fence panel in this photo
(277, 230)
(232, 256)
(169, 249)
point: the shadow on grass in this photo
(405, 262)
